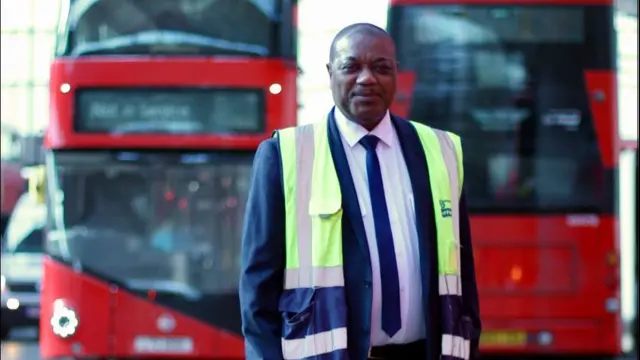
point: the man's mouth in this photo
(366, 95)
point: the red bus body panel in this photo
(209, 343)
(571, 258)
(281, 109)
(605, 112)
(92, 302)
(548, 273)
(114, 318)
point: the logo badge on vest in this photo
(445, 208)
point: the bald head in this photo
(362, 72)
(360, 29)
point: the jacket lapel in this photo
(423, 203)
(350, 202)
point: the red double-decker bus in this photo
(530, 85)
(157, 107)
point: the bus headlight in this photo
(64, 320)
(275, 88)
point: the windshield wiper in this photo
(166, 37)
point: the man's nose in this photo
(366, 76)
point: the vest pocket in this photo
(296, 307)
(326, 225)
(325, 208)
(314, 322)
(293, 318)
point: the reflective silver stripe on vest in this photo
(314, 345)
(306, 275)
(310, 276)
(451, 284)
(455, 346)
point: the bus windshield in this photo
(166, 27)
(169, 222)
(510, 81)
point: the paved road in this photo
(28, 350)
(23, 345)
(13, 350)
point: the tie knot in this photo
(369, 142)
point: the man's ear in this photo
(329, 70)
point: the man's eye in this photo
(349, 67)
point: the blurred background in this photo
(152, 111)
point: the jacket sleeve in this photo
(263, 262)
(471, 306)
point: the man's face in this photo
(363, 76)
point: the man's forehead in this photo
(357, 45)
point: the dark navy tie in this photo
(390, 287)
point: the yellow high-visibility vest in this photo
(314, 259)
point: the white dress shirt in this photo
(399, 196)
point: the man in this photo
(346, 255)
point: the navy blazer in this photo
(263, 252)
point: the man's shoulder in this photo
(296, 127)
(268, 146)
(271, 146)
(267, 161)
(290, 132)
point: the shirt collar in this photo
(353, 132)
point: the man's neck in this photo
(369, 125)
